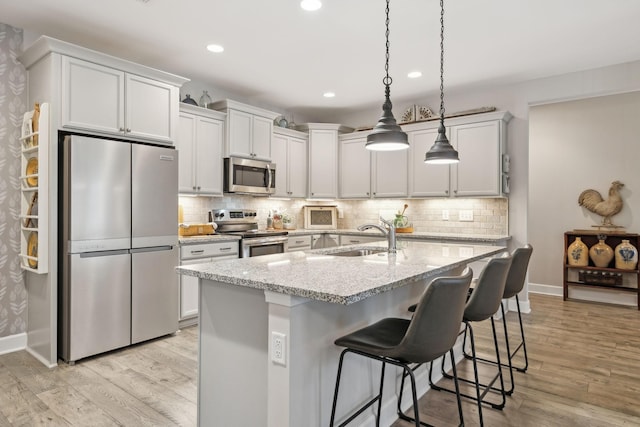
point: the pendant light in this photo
(441, 152)
(387, 134)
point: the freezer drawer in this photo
(154, 293)
(97, 295)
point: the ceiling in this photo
(279, 55)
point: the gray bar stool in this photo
(428, 335)
(482, 304)
(515, 283)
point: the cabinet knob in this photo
(446, 191)
(121, 130)
(194, 187)
(368, 193)
(198, 187)
(128, 129)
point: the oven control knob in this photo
(220, 215)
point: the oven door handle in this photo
(256, 241)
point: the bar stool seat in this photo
(428, 335)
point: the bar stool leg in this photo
(522, 343)
(506, 340)
(335, 393)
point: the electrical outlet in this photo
(465, 215)
(445, 214)
(279, 348)
(340, 213)
(465, 252)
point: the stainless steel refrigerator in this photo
(118, 244)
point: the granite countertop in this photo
(209, 238)
(416, 235)
(319, 275)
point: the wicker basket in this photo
(186, 230)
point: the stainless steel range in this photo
(244, 223)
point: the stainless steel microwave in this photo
(246, 176)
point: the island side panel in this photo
(301, 393)
(232, 355)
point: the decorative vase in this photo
(626, 256)
(189, 100)
(578, 253)
(601, 254)
(205, 99)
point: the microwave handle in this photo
(268, 177)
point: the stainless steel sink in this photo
(359, 252)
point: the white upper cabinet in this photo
(105, 100)
(481, 143)
(389, 176)
(249, 130)
(323, 159)
(199, 144)
(355, 166)
(289, 153)
(426, 180)
(479, 147)
(365, 174)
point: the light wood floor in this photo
(584, 370)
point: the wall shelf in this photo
(605, 278)
(34, 221)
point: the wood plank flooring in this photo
(584, 370)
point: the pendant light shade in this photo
(387, 134)
(441, 152)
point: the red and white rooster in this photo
(592, 200)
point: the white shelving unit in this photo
(34, 184)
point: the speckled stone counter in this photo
(210, 238)
(306, 300)
(416, 235)
(322, 276)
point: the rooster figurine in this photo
(592, 200)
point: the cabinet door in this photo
(208, 159)
(425, 180)
(239, 133)
(262, 132)
(355, 169)
(323, 164)
(92, 97)
(478, 172)
(185, 144)
(189, 291)
(150, 107)
(297, 161)
(390, 175)
(279, 157)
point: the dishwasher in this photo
(197, 254)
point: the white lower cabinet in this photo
(197, 254)
(299, 243)
(357, 240)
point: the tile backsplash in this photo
(490, 216)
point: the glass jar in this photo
(205, 99)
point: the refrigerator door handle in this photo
(103, 253)
(151, 249)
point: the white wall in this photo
(580, 144)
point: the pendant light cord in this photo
(441, 63)
(387, 79)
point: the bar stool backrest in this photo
(518, 271)
(436, 322)
(487, 294)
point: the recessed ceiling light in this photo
(215, 48)
(414, 74)
(311, 5)
(329, 94)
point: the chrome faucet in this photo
(390, 233)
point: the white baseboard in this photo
(13, 343)
(42, 359)
(608, 296)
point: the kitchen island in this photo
(267, 326)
